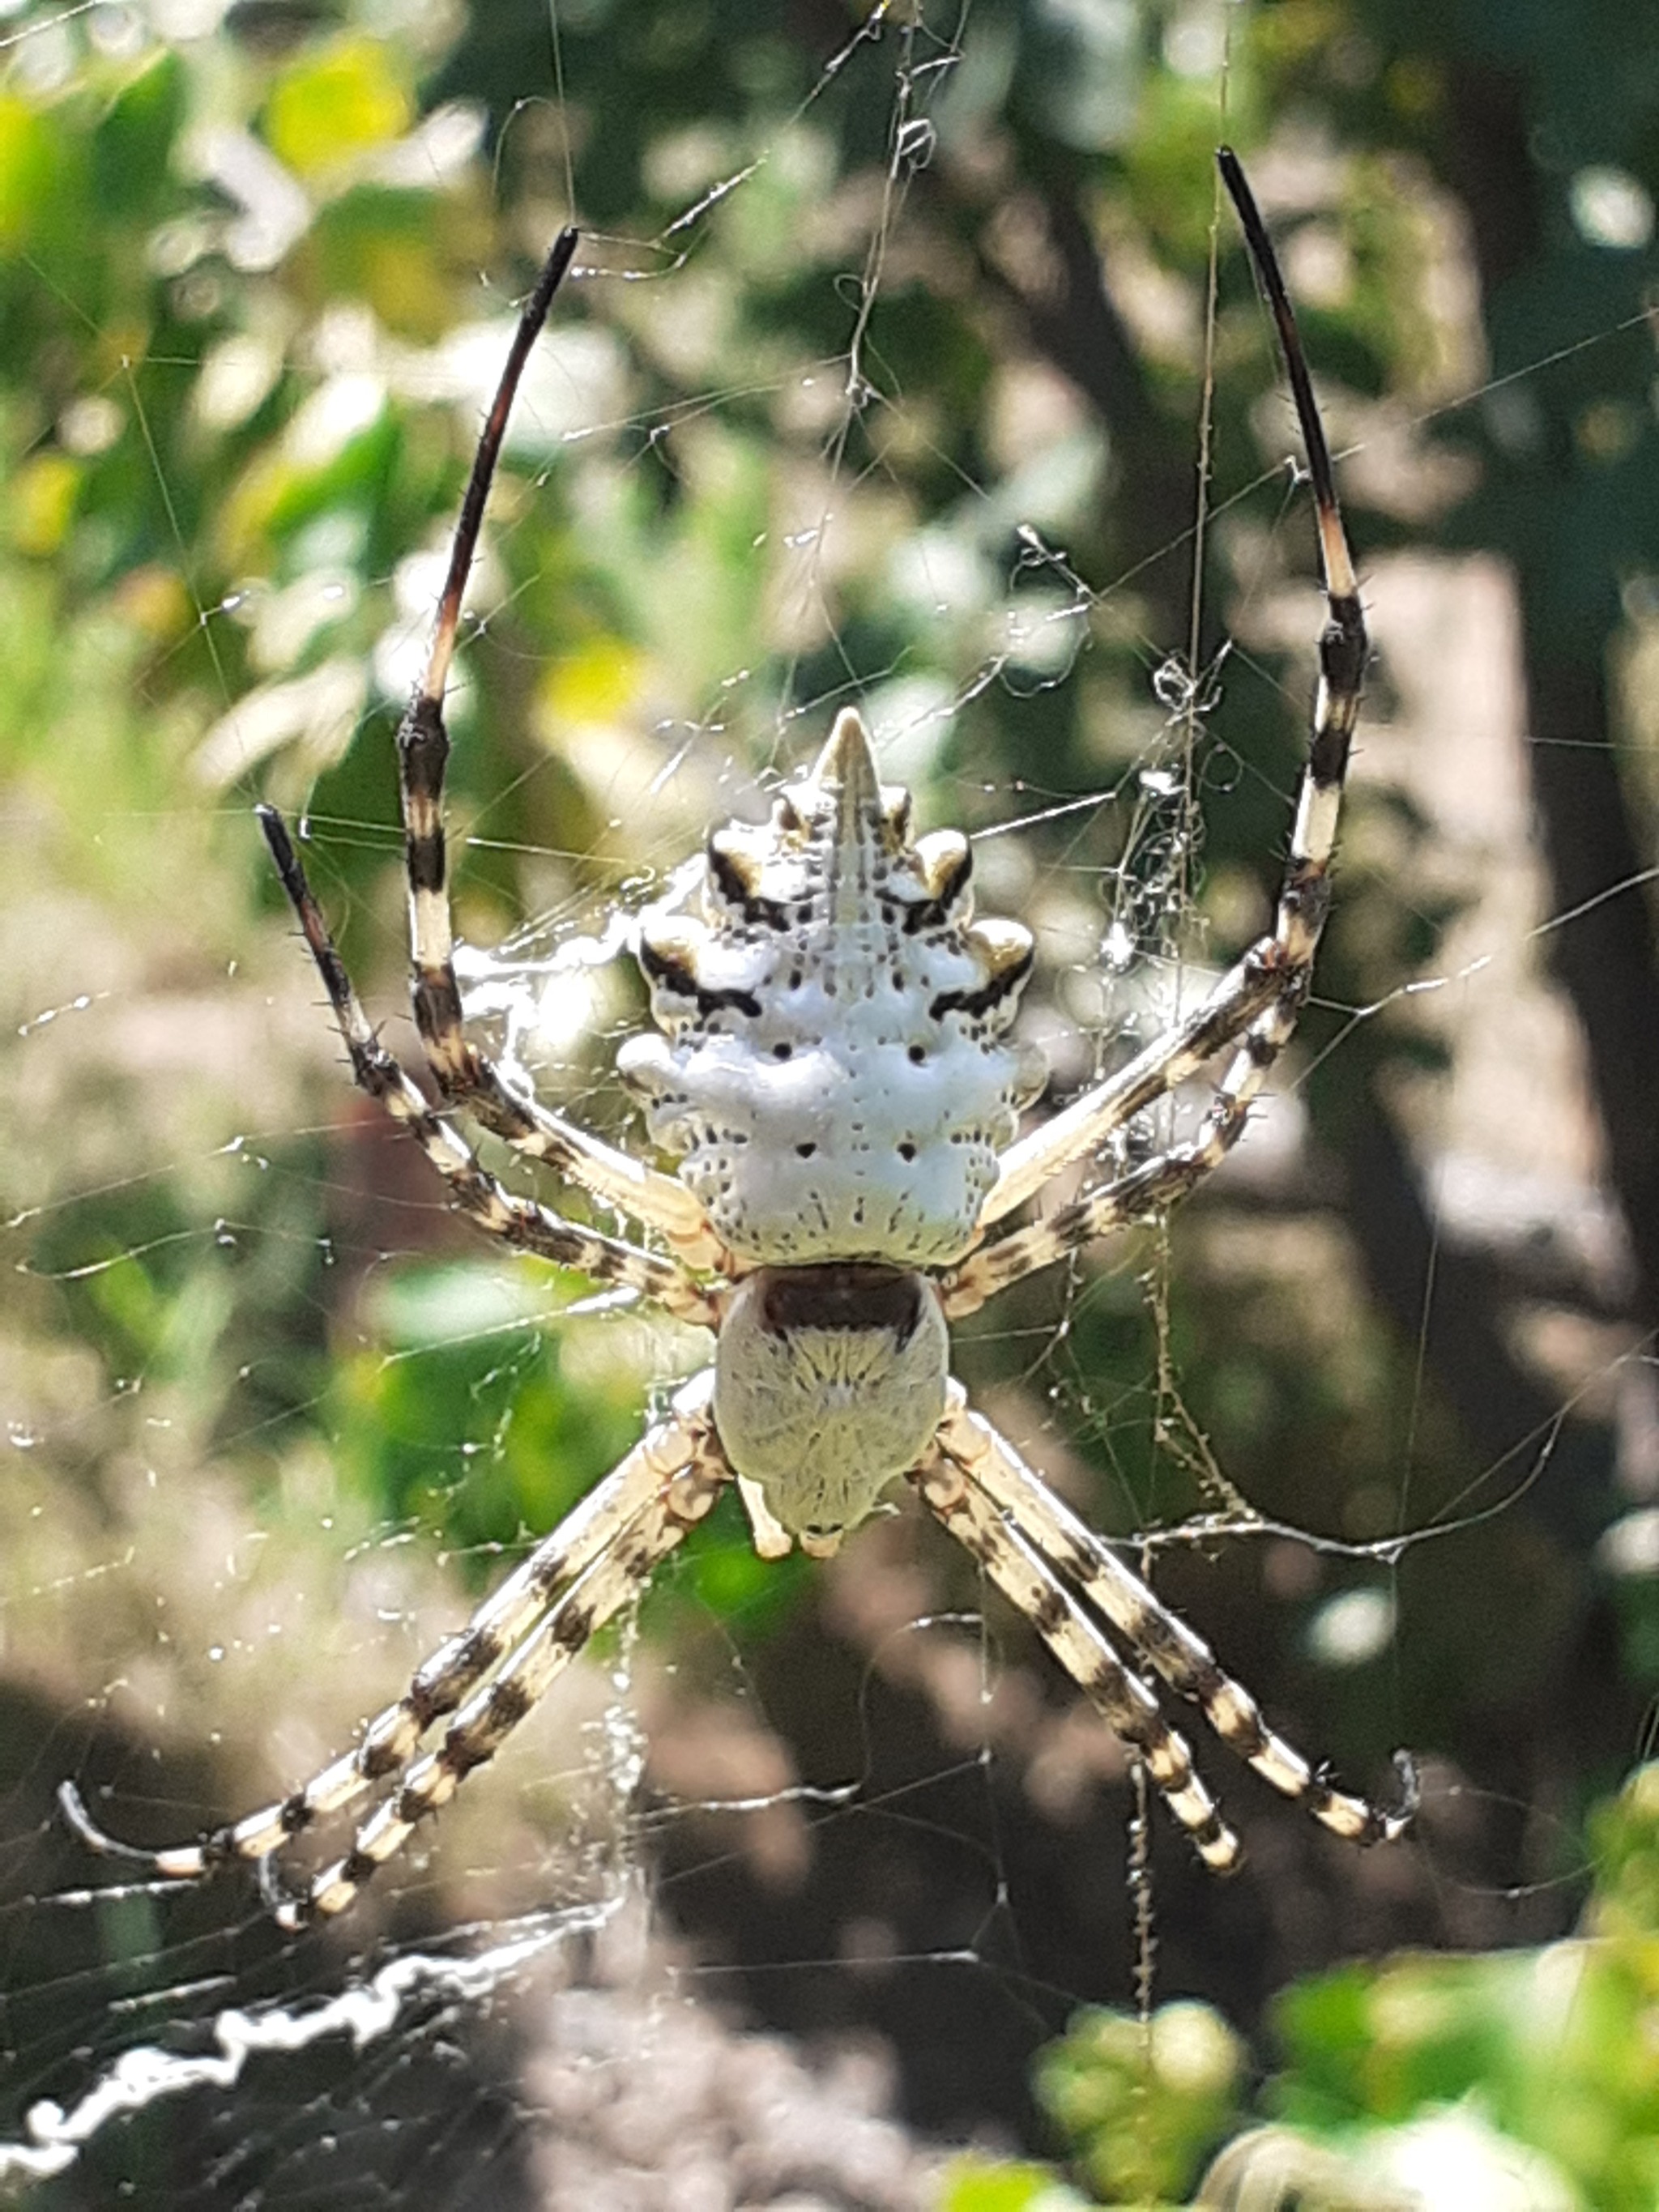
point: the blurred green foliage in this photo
(1142, 2102)
(1521, 2081)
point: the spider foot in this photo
(1358, 1819)
(178, 1862)
(1392, 1825)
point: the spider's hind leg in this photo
(464, 1076)
(1083, 1649)
(482, 1725)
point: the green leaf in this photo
(973, 2184)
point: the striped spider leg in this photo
(489, 1676)
(493, 1672)
(464, 1075)
(499, 1666)
(521, 1222)
(1035, 1548)
(1256, 1004)
(1028, 1541)
(1026, 1579)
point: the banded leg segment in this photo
(1168, 1061)
(652, 1472)
(1260, 1001)
(989, 1463)
(465, 1077)
(521, 1222)
(483, 1724)
(1157, 1182)
(1083, 1649)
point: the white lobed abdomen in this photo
(833, 1069)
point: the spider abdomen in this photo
(828, 1383)
(834, 1068)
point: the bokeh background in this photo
(899, 344)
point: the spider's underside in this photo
(833, 1071)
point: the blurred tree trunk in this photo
(1602, 949)
(1069, 318)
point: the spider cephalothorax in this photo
(834, 1075)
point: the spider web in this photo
(855, 1809)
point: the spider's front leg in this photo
(465, 1076)
(499, 1212)
(1037, 1550)
(490, 1675)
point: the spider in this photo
(832, 1066)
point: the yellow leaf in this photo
(42, 501)
(154, 600)
(26, 165)
(597, 682)
(336, 105)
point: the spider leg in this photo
(1258, 1002)
(518, 1221)
(988, 1463)
(1082, 1647)
(669, 1479)
(483, 1724)
(1168, 1061)
(1157, 1182)
(464, 1076)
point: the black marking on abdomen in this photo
(934, 913)
(1005, 984)
(764, 913)
(674, 975)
